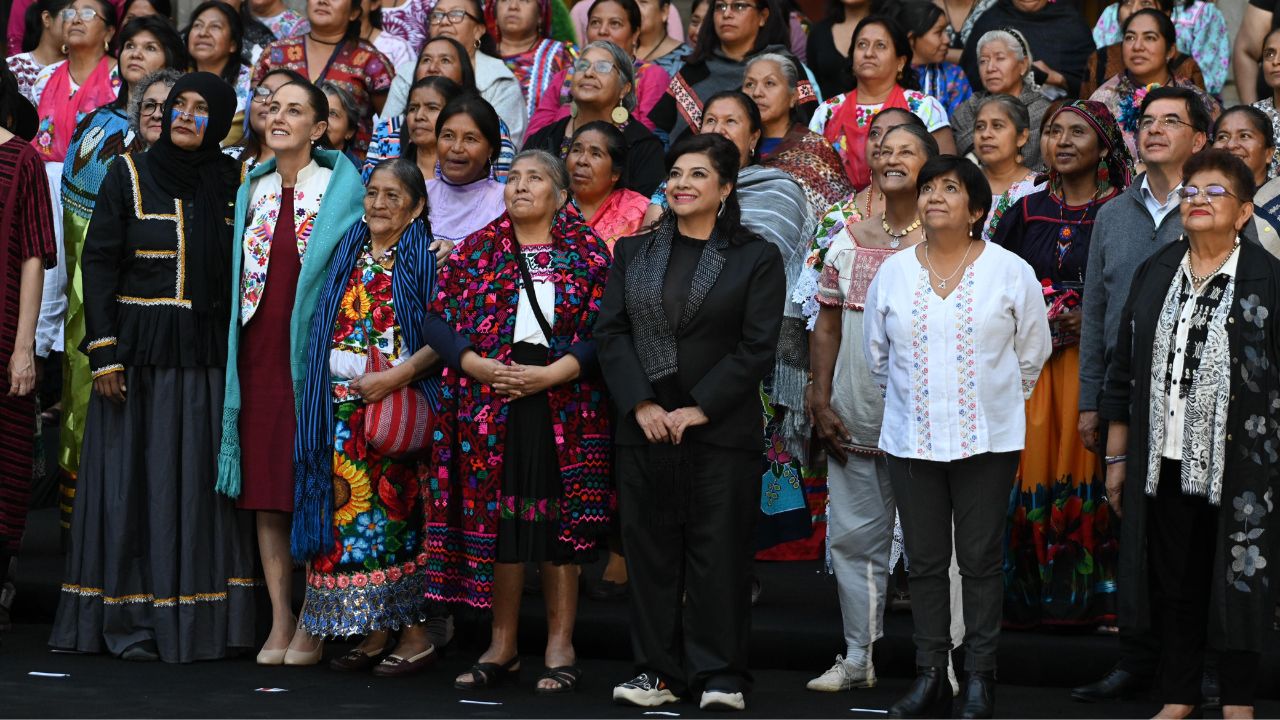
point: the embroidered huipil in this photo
(538, 259)
(956, 371)
(264, 208)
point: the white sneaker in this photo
(717, 700)
(844, 676)
(644, 690)
(951, 678)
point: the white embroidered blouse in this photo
(264, 207)
(956, 371)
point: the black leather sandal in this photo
(565, 677)
(490, 675)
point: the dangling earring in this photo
(721, 210)
(620, 115)
(64, 48)
(364, 219)
(573, 109)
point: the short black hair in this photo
(1197, 113)
(1257, 118)
(448, 90)
(175, 48)
(1238, 174)
(319, 103)
(481, 113)
(974, 182)
(630, 7)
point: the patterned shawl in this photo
(809, 158)
(412, 288)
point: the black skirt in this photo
(156, 554)
(532, 485)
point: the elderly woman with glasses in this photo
(603, 90)
(1191, 460)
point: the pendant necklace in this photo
(895, 239)
(942, 281)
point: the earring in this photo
(721, 210)
(364, 219)
(64, 48)
(477, 44)
(620, 115)
(573, 110)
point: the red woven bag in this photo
(398, 424)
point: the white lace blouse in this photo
(955, 371)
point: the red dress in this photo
(267, 421)
(26, 230)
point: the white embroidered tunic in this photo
(956, 371)
(264, 207)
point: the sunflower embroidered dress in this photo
(371, 576)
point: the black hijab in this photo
(208, 179)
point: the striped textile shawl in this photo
(412, 288)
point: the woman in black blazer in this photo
(1193, 447)
(686, 332)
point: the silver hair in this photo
(785, 64)
(1018, 45)
(553, 166)
(625, 66)
(168, 76)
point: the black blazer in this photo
(724, 353)
(1241, 604)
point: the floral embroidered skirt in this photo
(793, 496)
(1062, 552)
(374, 576)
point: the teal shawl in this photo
(341, 207)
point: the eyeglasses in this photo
(723, 8)
(602, 67)
(85, 14)
(151, 107)
(1189, 193)
(261, 94)
(1168, 122)
(453, 17)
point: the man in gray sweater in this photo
(1173, 126)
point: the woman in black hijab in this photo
(160, 566)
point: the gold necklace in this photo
(895, 239)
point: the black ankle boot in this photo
(978, 696)
(928, 697)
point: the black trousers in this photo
(1181, 538)
(689, 533)
(974, 494)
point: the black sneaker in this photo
(644, 690)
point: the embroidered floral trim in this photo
(966, 350)
(920, 363)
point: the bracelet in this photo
(1115, 459)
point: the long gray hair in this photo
(167, 76)
(623, 63)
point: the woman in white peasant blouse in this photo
(956, 334)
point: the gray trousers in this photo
(860, 533)
(972, 493)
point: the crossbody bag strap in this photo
(527, 280)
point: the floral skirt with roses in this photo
(374, 576)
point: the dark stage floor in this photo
(796, 633)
